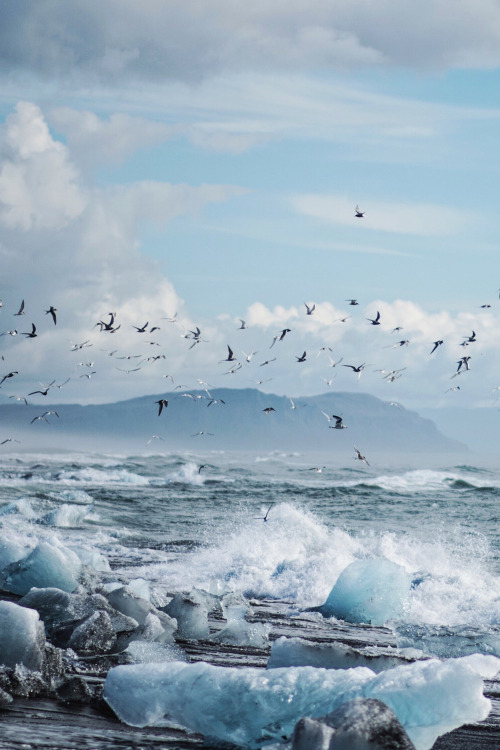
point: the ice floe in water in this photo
(251, 706)
(372, 591)
(46, 565)
(22, 636)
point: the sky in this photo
(191, 164)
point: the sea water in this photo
(171, 523)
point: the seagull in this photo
(162, 403)
(243, 325)
(269, 409)
(143, 329)
(333, 363)
(360, 457)
(154, 437)
(202, 432)
(352, 301)
(44, 416)
(19, 398)
(52, 311)
(21, 309)
(328, 382)
(358, 369)
(436, 344)
(376, 320)
(230, 355)
(302, 358)
(309, 310)
(338, 423)
(484, 307)
(202, 466)
(463, 362)
(9, 333)
(248, 357)
(359, 214)
(264, 518)
(45, 390)
(33, 333)
(9, 440)
(267, 362)
(456, 388)
(216, 401)
(397, 329)
(10, 375)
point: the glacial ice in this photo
(191, 614)
(240, 632)
(46, 565)
(128, 603)
(251, 706)
(299, 652)
(10, 551)
(22, 636)
(66, 516)
(372, 591)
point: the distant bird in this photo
(359, 214)
(33, 333)
(284, 333)
(44, 416)
(21, 309)
(359, 369)
(268, 409)
(142, 329)
(360, 457)
(470, 339)
(397, 329)
(202, 432)
(302, 358)
(19, 398)
(343, 320)
(9, 333)
(202, 466)
(216, 401)
(333, 363)
(10, 375)
(436, 344)
(266, 517)
(456, 388)
(267, 362)
(484, 307)
(248, 357)
(9, 440)
(463, 362)
(309, 310)
(243, 325)
(352, 301)
(230, 355)
(376, 320)
(154, 437)
(44, 391)
(52, 311)
(162, 404)
(338, 423)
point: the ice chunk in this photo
(144, 651)
(10, 551)
(125, 601)
(93, 559)
(239, 632)
(362, 723)
(94, 635)
(46, 565)
(22, 636)
(373, 591)
(446, 642)
(249, 706)
(298, 652)
(191, 615)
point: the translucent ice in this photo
(66, 516)
(10, 551)
(191, 615)
(252, 706)
(46, 565)
(298, 652)
(22, 636)
(373, 591)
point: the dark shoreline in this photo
(51, 724)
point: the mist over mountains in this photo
(236, 420)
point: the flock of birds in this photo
(108, 326)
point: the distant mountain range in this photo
(236, 420)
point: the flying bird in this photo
(268, 409)
(352, 301)
(21, 309)
(302, 358)
(338, 423)
(52, 311)
(33, 333)
(309, 310)
(162, 403)
(10, 375)
(376, 320)
(266, 517)
(359, 456)
(359, 214)
(436, 344)
(230, 355)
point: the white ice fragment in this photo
(125, 601)
(46, 565)
(22, 636)
(145, 651)
(250, 706)
(66, 516)
(373, 591)
(10, 551)
(93, 559)
(191, 615)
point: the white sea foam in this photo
(93, 476)
(422, 480)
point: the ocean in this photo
(168, 523)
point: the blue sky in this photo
(205, 159)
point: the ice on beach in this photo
(445, 642)
(10, 551)
(128, 603)
(93, 559)
(142, 652)
(22, 636)
(249, 706)
(373, 591)
(240, 632)
(46, 565)
(191, 614)
(95, 635)
(298, 652)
